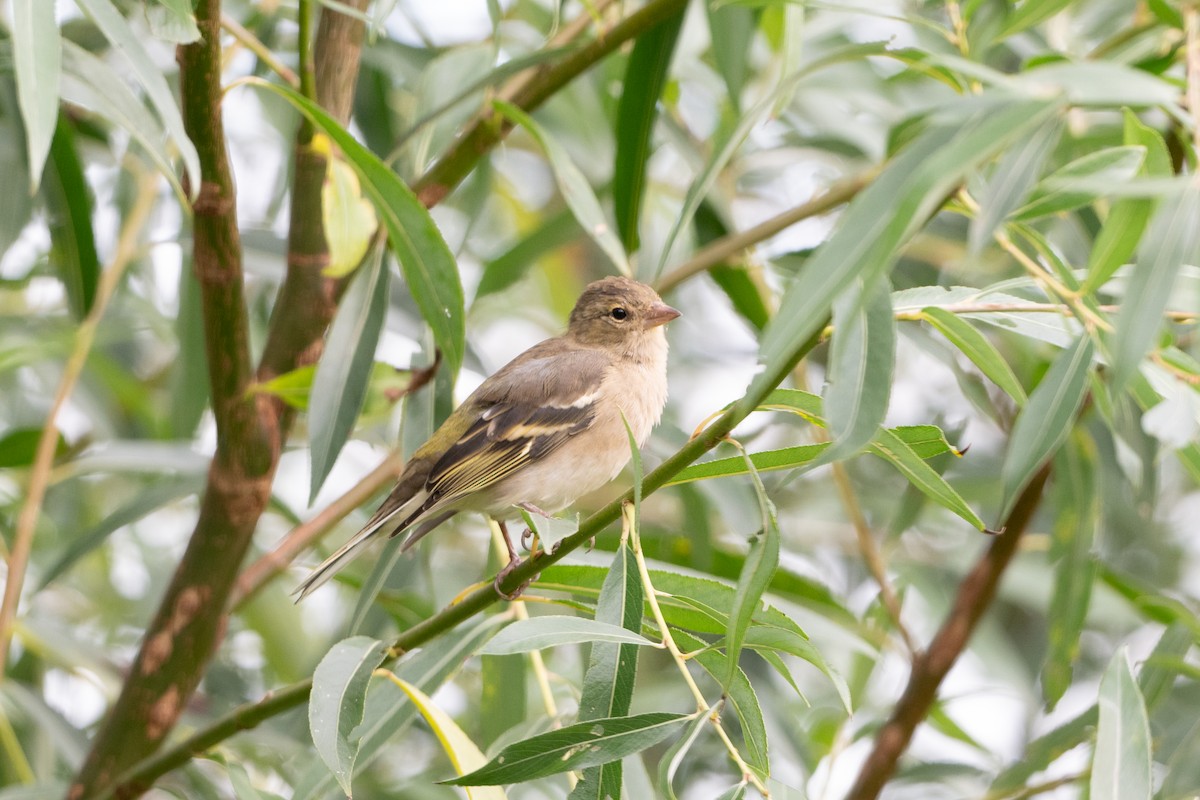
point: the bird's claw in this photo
(504, 573)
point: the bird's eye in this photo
(618, 313)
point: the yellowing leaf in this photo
(349, 219)
(464, 755)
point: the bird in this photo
(545, 429)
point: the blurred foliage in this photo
(1017, 283)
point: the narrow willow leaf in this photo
(510, 266)
(1121, 763)
(174, 21)
(760, 566)
(576, 190)
(911, 465)
(671, 760)
(109, 20)
(584, 744)
(428, 265)
(37, 60)
(861, 361)
(637, 111)
(503, 698)
(731, 30)
(1015, 173)
(1030, 13)
(1075, 484)
(612, 668)
(1172, 240)
(1154, 683)
(552, 630)
(1122, 230)
(91, 83)
(243, 789)
(785, 641)
(1105, 84)
(976, 347)
(464, 755)
(388, 711)
(741, 695)
(69, 211)
(1070, 187)
(926, 441)
(1046, 419)
(335, 707)
(746, 122)
(149, 499)
(340, 384)
(885, 214)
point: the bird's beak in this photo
(660, 314)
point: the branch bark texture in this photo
(251, 427)
(930, 667)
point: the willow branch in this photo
(142, 775)
(975, 595)
(490, 128)
(721, 250)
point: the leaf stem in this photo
(702, 705)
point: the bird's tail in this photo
(335, 562)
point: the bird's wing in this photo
(526, 411)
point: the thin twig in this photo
(268, 565)
(39, 474)
(260, 50)
(1025, 792)
(721, 250)
(975, 595)
(871, 554)
(702, 705)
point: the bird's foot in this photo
(532, 509)
(503, 574)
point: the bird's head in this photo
(619, 313)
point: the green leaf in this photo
(1030, 13)
(576, 190)
(1121, 764)
(173, 21)
(612, 668)
(926, 440)
(976, 347)
(741, 695)
(37, 61)
(426, 260)
(1123, 227)
(109, 20)
(243, 789)
(1155, 684)
(912, 466)
(1078, 493)
(149, 499)
(861, 360)
(786, 641)
(1074, 185)
(69, 212)
(18, 448)
(340, 384)
(553, 630)
(464, 754)
(503, 697)
(760, 566)
(671, 760)
(885, 215)
(731, 30)
(1105, 84)
(89, 82)
(1172, 240)
(388, 711)
(1011, 181)
(637, 111)
(584, 744)
(510, 266)
(725, 149)
(1046, 419)
(335, 707)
